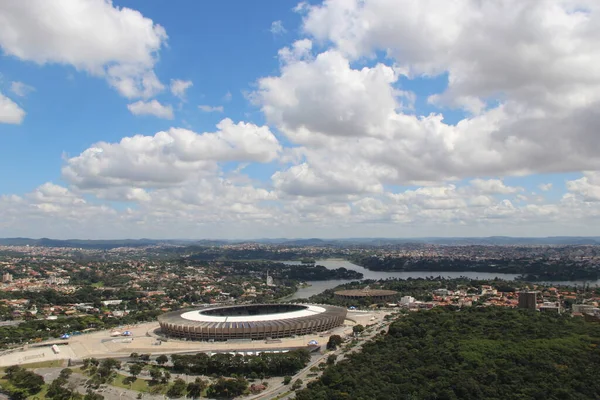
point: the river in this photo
(317, 287)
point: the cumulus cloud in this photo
(170, 157)
(119, 44)
(520, 121)
(588, 187)
(515, 48)
(10, 112)
(152, 107)
(21, 89)
(179, 87)
(544, 187)
(209, 109)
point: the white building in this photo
(269, 280)
(583, 308)
(112, 302)
(406, 300)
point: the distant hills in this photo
(375, 242)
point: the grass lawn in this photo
(97, 284)
(45, 364)
(41, 394)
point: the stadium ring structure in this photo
(251, 321)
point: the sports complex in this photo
(252, 321)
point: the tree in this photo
(297, 384)
(177, 389)
(134, 355)
(91, 395)
(135, 369)
(155, 374)
(334, 342)
(162, 359)
(195, 389)
(357, 329)
(28, 382)
(165, 378)
(65, 373)
(331, 359)
(287, 380)
(227, 388)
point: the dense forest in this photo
(530, 269)
(476, 353)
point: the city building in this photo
(406, 300)
(7, 277)
(528, 300)
(583, 308)
(550, 307)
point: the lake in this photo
(320, 286)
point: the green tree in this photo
(177, 389)
(287, 379)
(135, 369)
(162, 359)
(155, 374)
(297, 384)
(334, 342)
(165, 378)
(65, 373)
(357, 329)
(91, 395)
(195, 389)
(227, 388)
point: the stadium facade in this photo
(251, 321)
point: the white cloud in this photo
(10, 112)
(588, 187)
(179, 87)
(169, 158)
(119, 44)
(209, 109)
(322, 103)
(549, 44)
(21, 89)
(228, 96)
(152, 107)
(544, 187)
(493, 186)
(277, 28)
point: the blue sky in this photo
(333, 119)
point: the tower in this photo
(269, 279)
(528, 300)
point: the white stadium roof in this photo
(309, 310)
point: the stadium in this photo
(252, 321)
(371, 294)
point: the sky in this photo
(342, 118)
